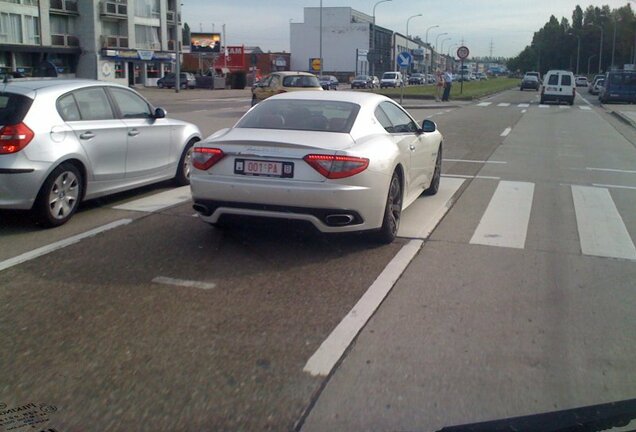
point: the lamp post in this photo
(437, 39)
(578, 50)
(320, 45)
(589, 59)
(613, 44)
(450, 48)
(431, 60)
(444, 40)
(407, 23)
(431, 27)
(373, 55)
(600, 50)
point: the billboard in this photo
(205, 42)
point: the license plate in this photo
(264, 168)
(552, 89)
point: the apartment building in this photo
(126, 41)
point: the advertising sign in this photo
(205, 42)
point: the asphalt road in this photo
(489, 319)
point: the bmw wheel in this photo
(59, 196)
(392, 212)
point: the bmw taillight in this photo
(203, 158)
(14, 138)
(336, 167)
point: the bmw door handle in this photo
(133, 132)
(87, 135)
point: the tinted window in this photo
(67, 108)
(130, 105)
(566, 80)
(306, 115)
(13, 108)
(301, 81)
(93, 104)
(401, 121)
(553, 79)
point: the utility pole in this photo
(320, 47)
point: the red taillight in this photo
(14, 138)
(336, 167)
(204, 158)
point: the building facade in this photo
(125, 41)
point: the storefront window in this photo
(152, 70)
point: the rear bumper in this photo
(20, 183)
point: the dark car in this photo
(362, 81)
(529, 82)
(417, 78)
(186, 80)
(619, 86)
(329, 82)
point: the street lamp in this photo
(373, 56)
(407, 23)
(450, 48)
(578, 50)
(600, 50)
(436, 39)
(431, 60)
(431, 27)
(444, 40)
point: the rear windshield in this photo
(301, 81)
(389, 76)
(553, 80)
(362, 78)
(622, 78)
(304, 115)
(13, 108)
(566, 80)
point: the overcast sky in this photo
(509, 24)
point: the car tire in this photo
(59, 196)
(183, 86)
(541, 101)
(392, 212)
(571, 102)
(183, 170)
(437, 174)
(160, 85)
(254, 100)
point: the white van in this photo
(558, 86)
(392, 79)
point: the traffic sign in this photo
(314, 64)
(462, 52)
(404, 59)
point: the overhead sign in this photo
(462, 52)
(404, 59)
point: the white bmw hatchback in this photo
(344, 161)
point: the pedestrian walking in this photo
(448, 82)
(439, 85)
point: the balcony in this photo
(115, 9)
(64, 7)
(114, 41)
(64, 40)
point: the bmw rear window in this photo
(13, 108)
(302, 115)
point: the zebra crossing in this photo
(531, 104)
(506, 219)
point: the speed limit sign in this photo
(462, 52)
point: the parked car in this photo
(362, 81)
(65, 141)
(581, 81)
(329, 82)
(619, 86)
(481, 76)
(590, 87)
(392, 79)
(345, 161)
(281, 82)
(417, 78)
(598, 86)
(558, 86)
(186, 80)
(529, 82)
(431, 79)
(532, 73)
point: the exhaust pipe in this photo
(200, 208)
(339, 219)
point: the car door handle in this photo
(133, 132)
(412, 147)
(87, 135)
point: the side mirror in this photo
(429, 126)
(160, 113)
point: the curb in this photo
(622, 117)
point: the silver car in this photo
(343, 161)
(64, 141)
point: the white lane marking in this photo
(611, 170)
(523, 105)
(524, 111)
(585, 100)
(420, 218)
(503, 104)
(332, 348)
(183, 283)
(27, 256)
(484, 104)
(586, 108)
(602, 231)
(505, 221)
(544, 106)
(474, 161)
(564, 107)
(471, 176)
(613, 186)
(506, 132)
(158, 201)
